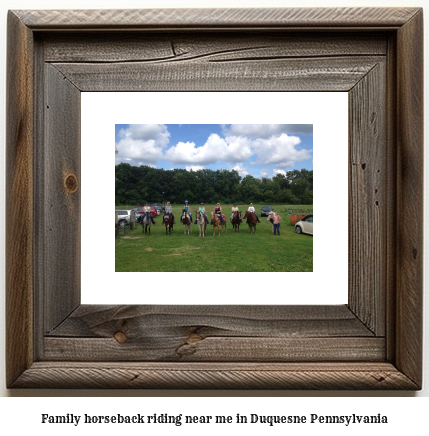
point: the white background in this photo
(328, 113)
(409, 415)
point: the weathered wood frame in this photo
(374, 342)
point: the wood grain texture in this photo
(99, 321)
(208, 18)
(368, 218)
(40, 261)
(107, 375)
(19, 200)
(61, 185)
(178, 47)
(178, 347)
(213, 333)
(409, 272)
(374, 343)
(325, 74)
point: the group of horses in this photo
(168, 221)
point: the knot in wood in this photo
(120, 337)
(71, 183)
(193, 337)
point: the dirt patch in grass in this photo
(180, 251)
(148, 249)
(130, 237)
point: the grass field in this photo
(228, 252)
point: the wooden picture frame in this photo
(373, 342)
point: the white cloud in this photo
(241, 170)
(187, 153)
(137, 151)
(146, 132)
(238, 149)
(142, 144)
(215, 149)
(277, 171)
(264, 172)
(277, 150)
(280, 151)
(194, 167)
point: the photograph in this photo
(222, 193)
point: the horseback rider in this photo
(252, 209)
(234, 209)
(202, 210)
(146, 210)
(186, 208)
(218, 212)
(168, 210)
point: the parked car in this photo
(305, 225)
(157, 208)
(266, 210)
(139, 210)
(123, 216)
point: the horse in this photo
(146, 221)
(217, 222)
(251, 221)
(168, 222)
(201, 221)
(186, 220)
(270, 218)
(236, 221)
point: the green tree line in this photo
(135, 185)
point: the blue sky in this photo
(261, 150)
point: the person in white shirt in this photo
(146, 210)
(252, 209)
